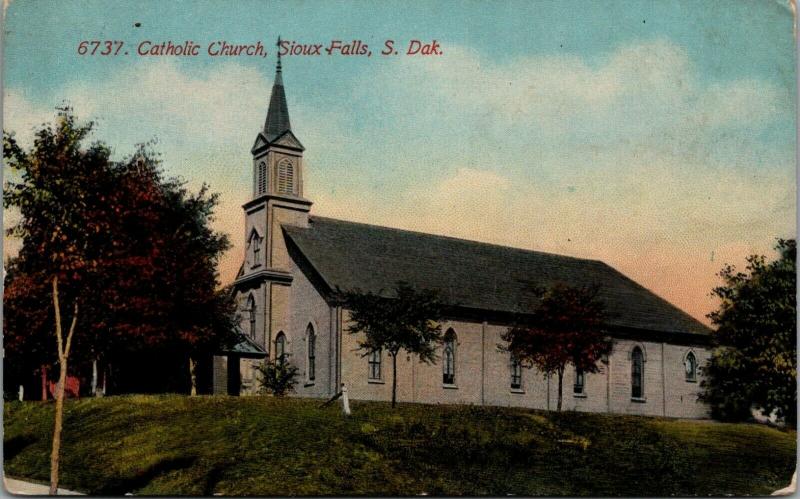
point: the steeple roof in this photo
(277, 122)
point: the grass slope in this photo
(265, 446)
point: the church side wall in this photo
(483, 377)
(682, 395)
(497, 381)
(294, 308)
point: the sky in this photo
(658, 137)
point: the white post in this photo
(21, 392)
(345, 401)
(94, 378)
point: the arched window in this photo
(312, 353)
(280, 347)
(285, 176)
(449, 358)
(253, 253)
(516, 373)
(580, 383)
(375, 365)
(691, 367)
(261, 186)
(256, 250)
(251, 312)
(637, 370)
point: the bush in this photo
(278, 377)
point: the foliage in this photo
(278, 377)
(134, 249)
(286, 446)
(566, 328)
(754, 362)
(406, 321)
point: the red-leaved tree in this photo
(125, 258)
(566, 328)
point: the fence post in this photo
(345, 401)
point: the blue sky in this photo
(657, 136)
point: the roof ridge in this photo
(460, 239)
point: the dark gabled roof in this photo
(473, 275)
(245, 347)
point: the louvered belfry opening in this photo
(262, 178)
(285, 177)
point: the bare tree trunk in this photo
(193, 376)
(63, 356)
(394, 379)
(94, 378)
(560, 386)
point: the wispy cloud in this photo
(634, 159)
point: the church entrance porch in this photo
(228, 366)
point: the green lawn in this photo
(265, 446)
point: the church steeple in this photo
(277, 153)
(277, 121)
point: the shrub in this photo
(278, 377)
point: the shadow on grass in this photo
(213, 478)
(120, 486)
(14, 445)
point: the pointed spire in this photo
(278, 114)
(278, 71)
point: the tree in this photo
(58, 245)
(155, 289)
(129, 254)
(754, 361)
(278, 376)
(406, 321)
(566, 328)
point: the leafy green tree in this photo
(754, 362)
(278, 376)
(566, 328)
(408, 321)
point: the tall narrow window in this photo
(312, 354)
(262, 178)
(285, 176)
(637, 368)
(375, 365)
(580, 382)
(516, 374)
(691, 367)
(449, 358)
(280, 347)
(256, 250)
(251, 311)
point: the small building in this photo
(294, 261)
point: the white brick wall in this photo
(483, 376)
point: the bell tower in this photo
(277, 196)
(276, 201)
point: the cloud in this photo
(205, 125)
(633, 158)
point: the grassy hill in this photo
(265, 446)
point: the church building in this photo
(294, 260)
